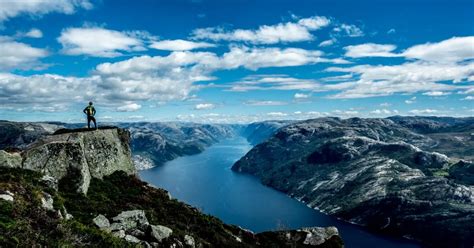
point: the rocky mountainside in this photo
(21, 134)
(258, 132)
(43, 202)
(386, 174)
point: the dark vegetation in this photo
(24, 223)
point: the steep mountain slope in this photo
(374, 172)
(21, 134)
(48, 207)
(156, 143)
(258, 132)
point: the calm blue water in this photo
(207, 182)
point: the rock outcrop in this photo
(78, 153)
(10, 159)
(383, 174)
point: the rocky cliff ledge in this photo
(84, 153)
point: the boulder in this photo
(189, 241)
(319, 235)
(159, 232)
(131, 239)
(47, 202)
(119, 234)
(6, 197)
(129, 220)
(86, 154)
(101, 222)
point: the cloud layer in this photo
(9, 9)
(298, 30)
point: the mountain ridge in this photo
(379, 173)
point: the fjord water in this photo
(207, 182)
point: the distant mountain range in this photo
(405, 176)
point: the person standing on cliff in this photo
(90, 112)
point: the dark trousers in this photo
(89, 119)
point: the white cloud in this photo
(423, 111)
(10, 9)
(327, 43)
(370, 50)
(436, 93)
(468, 98)
(130, 107)
(452, 50)
(179, 45)
(301, 96)
(391, 31)
(34, 33)
(456, 49)
(204, 106)
(345, 113)
(382, 112)
(267, 34)
(411, 100)
(349, 30)
(256, 58)
(277, 114)
(274, 82)
(265, 103)
(406, 78)
(385, 104)
(98, 42)
(17, 55)
(454, 65)
(46, 92)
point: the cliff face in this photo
(379, 173)
(86, 154)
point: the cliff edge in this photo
(81, 152)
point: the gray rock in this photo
(11, 160)
(137, 233)
(319, 235)
(101, 222)
(50, 182)
(6, 197)
(119, 234)
(116, 226)
(159, 232)
(69, 216)
(128, 220)
(86, 154)
(189, 241)
(131, 239)
(47, 202)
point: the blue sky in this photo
(235, 61)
